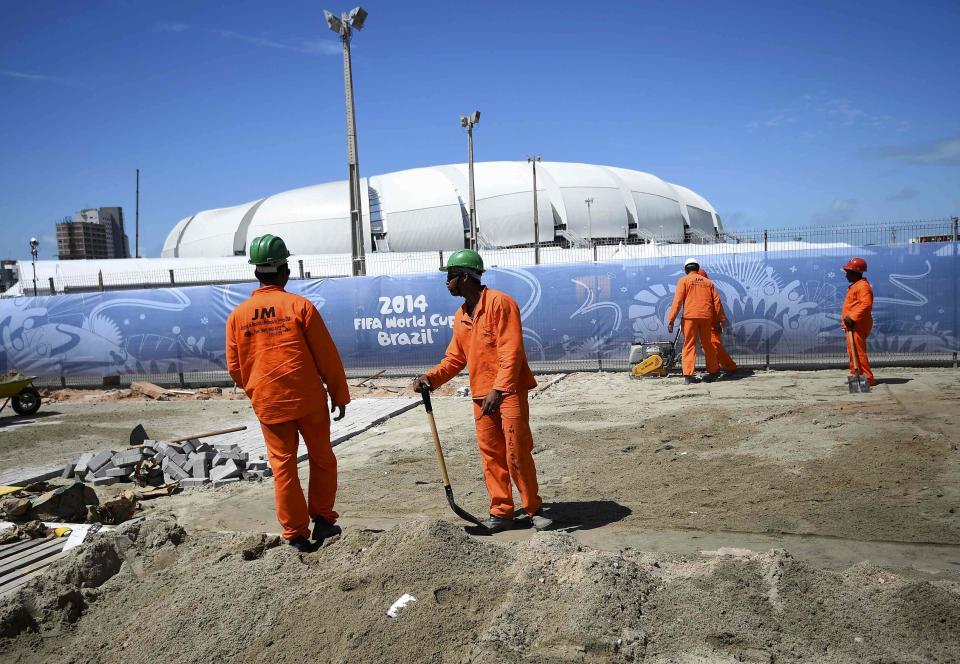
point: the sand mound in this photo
(150, 592)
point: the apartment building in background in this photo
(93, 233)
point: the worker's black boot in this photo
(498, 524)
(540, 520)
(690, 380)
(710, 377)
(303, 545)
(322, 529)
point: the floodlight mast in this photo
(536, 216)
(34, 252)
(344, 26)
(468, 123)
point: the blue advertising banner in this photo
(783, 303)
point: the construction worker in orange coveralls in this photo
(857, 315)
(488, 341)
(280, 352)
(698, 298)
(727, 365)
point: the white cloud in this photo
(942, 152)
(839, 212)
(27, 77)
(821, 111)
(165, 26)
(905, 194)
(308, 47)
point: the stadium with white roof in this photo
(426, 209)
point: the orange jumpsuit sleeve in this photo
(325, 355)
(452, 363)
(721, 315)
(233, 356)
(678, 299)
(861, 304)
(510, 356)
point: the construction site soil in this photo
(772, 518)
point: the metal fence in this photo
(757, 243)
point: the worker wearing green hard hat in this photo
(278, 349)
(465, 261)
(268, 253)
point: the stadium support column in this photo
(344, 26)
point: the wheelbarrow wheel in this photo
(27, 402)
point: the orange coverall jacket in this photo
(699, 299)
(280, 352)
(490, 345)
(858, 305)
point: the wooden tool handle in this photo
(428, 406)
(207, 434)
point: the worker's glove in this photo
(719, 328)
(848, 322)
(421, 383)
(669, 328)
(343, 411)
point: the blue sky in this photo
(780, 113)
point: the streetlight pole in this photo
(34, 251)
(589, 201)
(536, 216)
(344, 26)
(468, 122)
(136, 253)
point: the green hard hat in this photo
(268, 250)
(467, 258)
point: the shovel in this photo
(139, 434)
(858, 382)
(460, 512)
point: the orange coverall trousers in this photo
(695, 329)
(860, 348)
(293, 511)
(506, 448)
(723, 357)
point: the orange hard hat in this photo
(856, 264)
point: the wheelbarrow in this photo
(18, 390)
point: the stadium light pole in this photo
(536, 216)
(344, 26)
(34, 251)
(467, 122)
(589, 202)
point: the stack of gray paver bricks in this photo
(156, 462)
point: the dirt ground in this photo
(676, 507)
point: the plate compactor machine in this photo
(653, 359)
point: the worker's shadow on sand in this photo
(20, 420)
(893, 381)
(584, 514)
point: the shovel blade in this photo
(138, 435)
(462, 513)
(858, 384)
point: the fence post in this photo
(594, 253)
(172, 280)
(956, 300)
(53, 289)
(183, 383)
(300, 263)
(764, 240)
(100, 280)
(441, 258)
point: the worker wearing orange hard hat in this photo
(727, 365)
(857, 316)
(488, 341)
(280, 352)
(698, 298)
